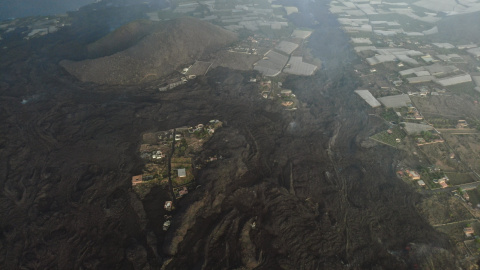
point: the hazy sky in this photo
(23, 8)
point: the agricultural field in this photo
(474, 195)
(390, 115)
(453, 107)
(455, 231)
(439, 155)
(442, 122)
(464, 88)
(443, 208)
(467, 147)
(144, 189)
(473, 246)
(459, 178)
(390, 139)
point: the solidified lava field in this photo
(320, 196)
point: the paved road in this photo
(457, 131)
(455, 222)
(468, 186)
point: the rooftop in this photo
(444, 45)
(298, 67)
(421, 79)
(454, 80)
(395, 101)
(474, 52)
(182, 172)
(368, 97)
(286, 47)
(301, 34)
(272, 64)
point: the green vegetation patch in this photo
(428, 176)
(442, 122)
(459, 178)
(464, 88)
(144, 188)
(428, 136)
(455, 231)
(390, 115)
(474, 195)
(473, 246)
(390, 139)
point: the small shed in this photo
(182, 172)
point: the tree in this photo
(427, 135)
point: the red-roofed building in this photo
(442, 182)
(137, 179)
(413, 175)
(469, 231)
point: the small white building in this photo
(182, 172)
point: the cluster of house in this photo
(353, 14)
(415, 176)
(181, 163)
(169, 206)
(200, 127)
(170, 86)
(36, 26)
(429, 61)
(462, 124)
(413, 113)
(158, 155)
(141, 179)
(180, 192)
(179, 135)
(421, 141)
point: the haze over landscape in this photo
(24, 8)
(240, 134)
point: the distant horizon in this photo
(10, 9)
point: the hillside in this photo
(122, 38)
(154, 50)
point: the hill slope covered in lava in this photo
(141, 51)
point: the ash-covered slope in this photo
(157, 49)
(122, 38)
